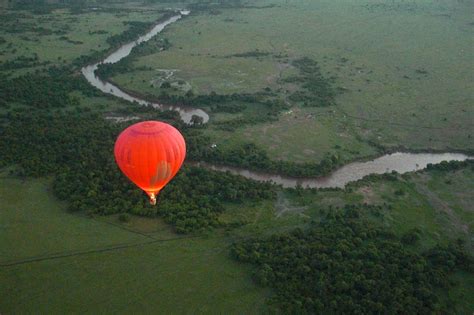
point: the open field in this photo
(404, 86)
(300, 135)
(38, 225)
(112, 267)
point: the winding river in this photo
(186, 113)
(399, 162)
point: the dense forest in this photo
(78, 151)
(346, 264)
(43, 89)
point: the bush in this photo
(347, 265)
(124, 217)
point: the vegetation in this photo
(388, 243)
(248, 155)
(78, 150)
(49, 88)
(347, 265)
(60, 36)
(136, 28)
(106, 70)
(22, 62)
(316, 90)
(450, 166)
(142, 256)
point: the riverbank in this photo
(395, 162)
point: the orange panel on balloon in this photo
(150, 153)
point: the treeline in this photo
(201, 195)
(47, 6)
(347, 265)
(46, 88)
(49, 88)
(205, 100)
(212, 7)
(250, 54)
(22, 62)
(268, 107)
(316, 90)
(232, 103)
(157, 43)
(228, 108)
(451, 165)
(135, 30)
(107, 70)
(78, 150)
(250, 156)
(70, 41)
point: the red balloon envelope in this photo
(150, 153)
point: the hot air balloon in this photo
(150, 153)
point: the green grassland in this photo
(38, 225)
(404, 86)
(26, 34)
(300, 135)
(111, 267)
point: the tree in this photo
(165, 85)
(197, 120)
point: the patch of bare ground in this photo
(282, 206)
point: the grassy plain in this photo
(26, 34)
(404, 86)
(300, 135)
(78, 264)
